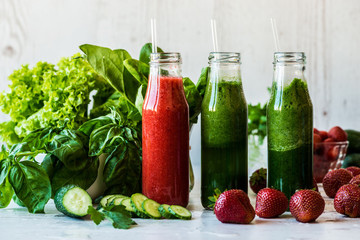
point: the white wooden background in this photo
(328, 31)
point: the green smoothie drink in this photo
(290, 126)
(223, 128)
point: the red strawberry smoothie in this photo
(165, 134)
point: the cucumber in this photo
(354, 141)
(164, 211)
(107, 200)
(136, 201)
(116, 200)
(104, 200)
(72, 201)
(151, 208)
(180, 212)
(126, 202)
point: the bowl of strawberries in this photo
(329, 151)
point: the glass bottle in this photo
(223, 127)
(290, 126)
(165, 132)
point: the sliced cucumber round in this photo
(164, 211)
(126, 202)
(117, 200)
(151, 208)
(180, 212)
(72, 201)
(104, 200)
(136, 201)
(108, 199)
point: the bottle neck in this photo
(284, 74)
(225, 72)
(165, 64)
(165, 69)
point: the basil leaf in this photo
(145, 52)
(201, 83)
(105, 137)
(84, 178)
(93, 124)
(6, 193)
(31, 184)
(38, 139)
(193, 98)
(139, 70)
(18, 201)
(49, 164)
(122, 170)
(19, 148)
(5, 165)
(71, 148)
(110, 65)
(3, 153)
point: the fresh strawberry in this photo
(306, 205)
(332, 153)
(258, 180)
(316, 131)
(233, 206)
(354, 170)
(355, 180)
(323, 135)
(329, 139)
(270, 203)
(347, 200)
(334, 179)
(317, 138)
(338, 134)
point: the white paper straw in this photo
(275, 34)
(214, 35)
(153, 35)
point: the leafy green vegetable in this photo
(117, 215)
(95, 215)
(6, 192)
(201, 83)
(71, 148)
(31, 185)
(110, 65)
(193, 98)
(257, 121)
(122, 170)
(47, 96)
(145, 52)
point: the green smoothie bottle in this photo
(223, 128)
(290, 126)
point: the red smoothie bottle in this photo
(165, 133)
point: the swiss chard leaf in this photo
(6, 193)
(122, 170)
(145, 52)
(31, 185)
(71, 148)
